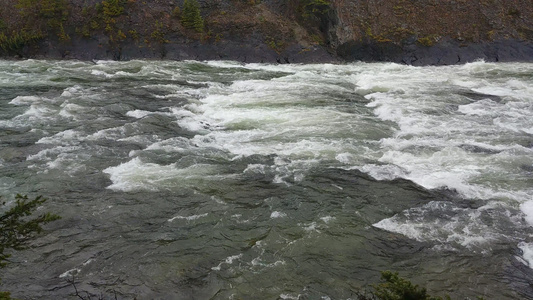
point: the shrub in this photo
(158, 34)
(394, 287)
(315, 7)
(45, 16)
(3, 25)
(54, 11)
(176, 12)
(428, 41)
(112, 8)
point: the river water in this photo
(221, 180)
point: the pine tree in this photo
(16, 228)
(191, 17)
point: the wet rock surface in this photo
(445, 53)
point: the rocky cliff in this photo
(433, 32)
(418, 32)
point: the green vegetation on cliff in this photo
(13, 43)
(62, 28)
(45, 16)
(315, 7)
(112, 8)
(109, 11)
(190, 16)
(54, 11)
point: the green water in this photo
(219, 180)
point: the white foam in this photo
(383, 172)
(102, 62)
(71, 273)
(75, 271)
(257, 262)
(327, 219)
(277, 214)
(188, 218)
(25, 100)
(431, 144)
(140, 139)
(177, 144)
(493, 90)
(102, 73)
(139, 114)
(114, 133)
(70, 163)
(345, 158)
(480, 108)
(289, 297)
(37, 112)
(47, 154)
(229, 260)
(527, 209)
(443, 223)
(137, 175)
(310, 227)
(256, 168)
(70, 159)
(71, 110)
(527, 253)
(66, 94)
(67, 137)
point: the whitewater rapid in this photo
(169, 127)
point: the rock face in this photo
(418, 32)
(423, 32)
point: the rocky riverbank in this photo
(420, 32)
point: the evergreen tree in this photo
(191, 17)
(113, 8)
(394, 287)
(17, 227)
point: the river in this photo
(222, 180)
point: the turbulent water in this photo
(220, 180)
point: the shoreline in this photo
(447, 52)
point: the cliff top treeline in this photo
(408, 31)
